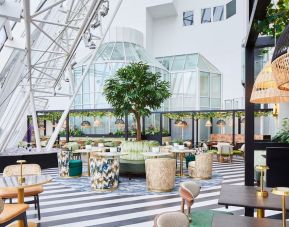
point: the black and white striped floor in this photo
(65, 206)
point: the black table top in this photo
(245, 196)
(221, 220)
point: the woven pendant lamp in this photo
(280, 61)
(265, 89)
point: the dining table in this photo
(245, 196)
(181, 153)
(15, 182)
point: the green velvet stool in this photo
(75, 168)
(204, 218)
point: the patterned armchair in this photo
(64, 157)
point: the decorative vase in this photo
(88, 147)
(175, 144)
(181, 147)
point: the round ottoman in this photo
(75, 168)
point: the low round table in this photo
(30, 181)
(155, 154)
(182, 153)
(104, 168)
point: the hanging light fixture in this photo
(119, 121)
(97, 123)
(177, 121)
(85, 124)
(280, 61)
(221, 123)
(208, 123)
(182, 124)
(265, 89)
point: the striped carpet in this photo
(64, 206)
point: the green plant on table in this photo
(178, 141)
(88, 142)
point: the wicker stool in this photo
(160, 174)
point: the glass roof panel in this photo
(129, 53)
(179, 63)
(118, 52)
(191, 61)
(106, 54)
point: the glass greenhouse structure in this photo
(195, 82)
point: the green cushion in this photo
(204, 218)
(75, 163)
(75, 171)
(238, 152)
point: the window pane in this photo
(167, 62)
(188, 18)
(204, 84)
(218, 13)
(215, 86)
(215, 103)
(206, 15)
(191, 61)
(231, 8)
(204, 102)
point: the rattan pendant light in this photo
(280, 61)
(265, 88)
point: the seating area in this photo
(124, 113)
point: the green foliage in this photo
(277, 18)
(134, 89)
(283, 135)
(178, 141)
(88, 142)
(119, 132)
(219, 115)
(75, 132)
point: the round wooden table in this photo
(181, 153)
(155, 154)
(30, 181)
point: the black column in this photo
(161, 129)
(211, 129)
(197, 132)
(143, 126)
(45, 124)
(170, 126)
(28, 130)
(239, 125)
(249, 122)
(126, 127)
(193, 131)
(67, 129)
(233, 127)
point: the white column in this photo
(90, 62)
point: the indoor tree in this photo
(135, 89)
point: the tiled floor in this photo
(62, 205)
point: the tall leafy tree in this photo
(135, 89)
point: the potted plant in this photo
(179, 143)
(134, 89)
(88, 144)
(283, 135)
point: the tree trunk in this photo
(138, 127)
